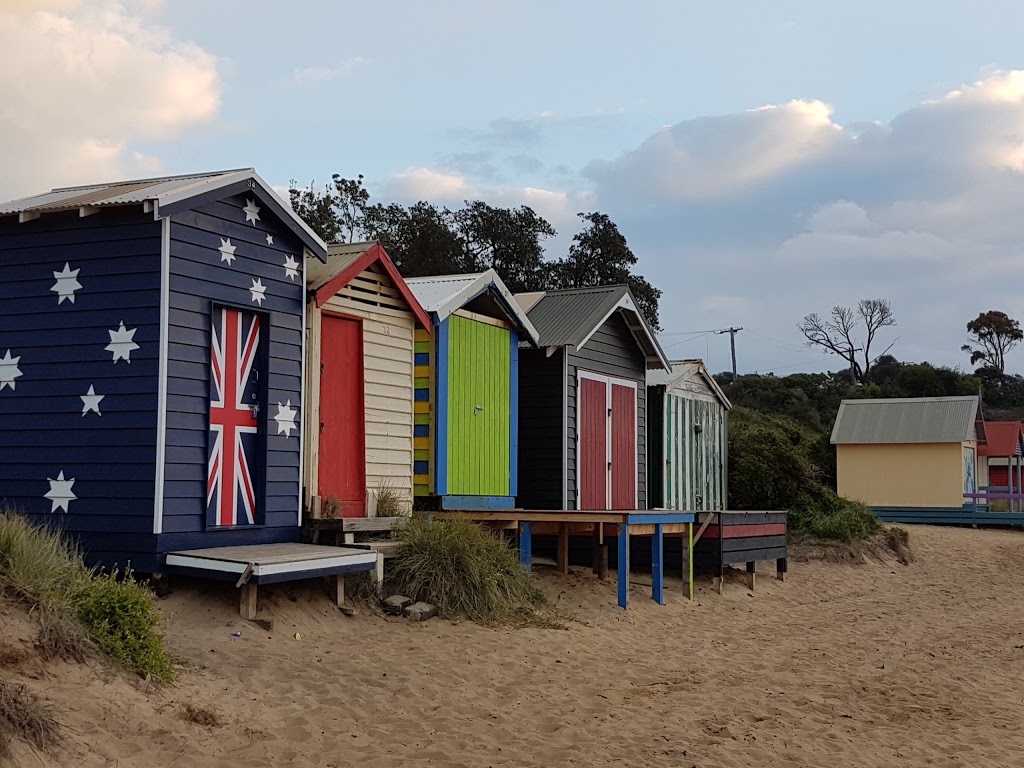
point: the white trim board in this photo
(270, 569)
(161, 398)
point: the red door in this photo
(624, 459)
(593, 429)
(342, 471)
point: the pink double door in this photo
(606, 420)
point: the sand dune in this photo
(869, 665)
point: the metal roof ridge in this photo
(153, 180)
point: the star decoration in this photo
(285, 418)
(91, 401)
(60, 492)
(291, 268)
(9, 370)
(252, 211)
(66, 285)
(258, 291)
(270, 239)
(121, 343)
(227, 250)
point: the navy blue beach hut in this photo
(151, 359)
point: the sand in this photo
(871, 665)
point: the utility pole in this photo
(732, 344)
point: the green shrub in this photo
(465, 570)
(121, 619)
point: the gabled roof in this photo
(441, 295)
(684, 371)
(345, 261)
(169, 195)
(909, 420)
(571, 316)
(1003, 439)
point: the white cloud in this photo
(324, 74)
(776, 212)
(84, 85)
(452, 190)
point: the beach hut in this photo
(361, 323)
(151, 355)
(1002, 455)
(687, 439)
(902, 455)
(583, 400)
(467, 400)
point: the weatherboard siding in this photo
(686, 468)
(62, 349)
(611, 351)
(200, 280)
(389, 329)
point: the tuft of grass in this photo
(37, 565)
(121, 619)
(199, 715)
(883, 546)
(61, 633)
(390, 501)
(23, 716)
(465, 570)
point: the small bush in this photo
(464, 570)
(23, 716)
(120, 617)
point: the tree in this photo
(419, 239)
(507, 240)
(599, 255)
(993, 334)
(840, 333)
(336, 214)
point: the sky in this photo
(764, 160)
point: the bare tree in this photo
(841, 332)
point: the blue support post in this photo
(658, 565)
(526, 545)
(623, 565)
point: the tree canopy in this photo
(425, 239)
(993, 334)
(849, 331)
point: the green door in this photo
(479, 365)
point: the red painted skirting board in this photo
(742, 531)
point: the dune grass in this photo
(467, 571)
(23, 716)
(80, 611)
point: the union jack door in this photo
(232, 497)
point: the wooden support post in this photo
(379, 575)
(248, 603)
(781, 566)
(623, 565)
(750, 575)
(688, 550)
(526, 545)
(339, 584)
(595, 546)
(658, 565)
(563, 548)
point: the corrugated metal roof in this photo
(444, 294)
(907, 420)
(437, 290)
(569, 317)
(339, 258)
(113, 193)
(684, 371)
(1003, 439)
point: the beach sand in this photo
(871, 665)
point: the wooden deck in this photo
(599, 523)
(257, 564)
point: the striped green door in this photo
(479, 358)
